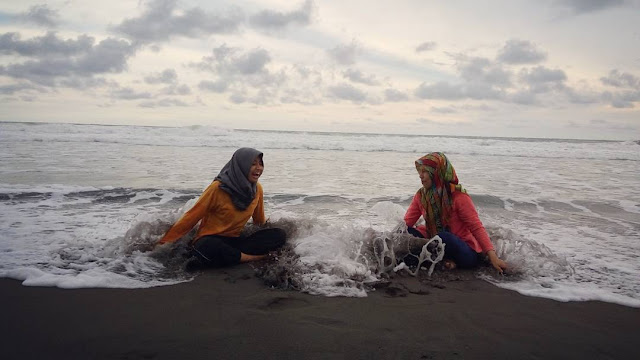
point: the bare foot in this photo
(247, 258)
(449, 264)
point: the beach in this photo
(81, 207)
(232, 314)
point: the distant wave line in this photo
(472, 152)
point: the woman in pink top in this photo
(449, 213)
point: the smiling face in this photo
(256, 170)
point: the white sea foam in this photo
(565, 291)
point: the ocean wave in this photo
(218, 138)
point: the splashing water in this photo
(320, 258)
(345, 260)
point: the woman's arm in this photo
(466, 211)
(258, 214)
(469, 216)
(414, 211)
(190, 218)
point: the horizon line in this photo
(323, 132)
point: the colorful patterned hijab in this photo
(436, 200)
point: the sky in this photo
(513, 68)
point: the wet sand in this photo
(231, 314)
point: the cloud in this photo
(303, 96)
(55, 58)
(10, 89)
(247, 76)
(348, 92)
(444, 110)
(427, 121)
(586, 6)
(484, 79)
(238, 98)
(483, 71)
(393, 95)
(517, 52)
(83, 83)
(582, 96)
(440, 90)
(541, 79)
(621, 80)
(109, 55)
(161, 21)
(600, 124)
(47, 45)
(627, 86)
(236, 69)
(270, 20)
(262, 97)
(623, 99)
(480, 79)
(228, 61)
(176, 90)
(218, 86)
(128, 93)
(162, 103)
(40, 15)
(524, 97)
(168, 76)
(426, 46)
(358, 77)
(252, 62)
(445, 91)
(345, 54)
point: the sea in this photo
(82, 205)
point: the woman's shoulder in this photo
(215, 184)
(212, 189)
(461, 198)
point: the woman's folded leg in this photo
(262, 241)
(458, 251)
(217, 251)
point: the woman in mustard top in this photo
(223, 210)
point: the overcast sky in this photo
(544, 68)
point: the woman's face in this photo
(256, 170)
(425, 178)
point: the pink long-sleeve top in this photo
(464, 221)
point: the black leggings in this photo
(220, 251)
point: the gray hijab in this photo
(233, 177)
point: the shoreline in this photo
(231, 314)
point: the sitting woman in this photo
(223, 209)
(449, 212)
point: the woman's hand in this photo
(496, 262)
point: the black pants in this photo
(220, 251)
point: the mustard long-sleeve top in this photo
(218, 214)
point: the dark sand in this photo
(231, 314)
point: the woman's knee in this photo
(279, 236)
(215, 252)
(457, 250)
